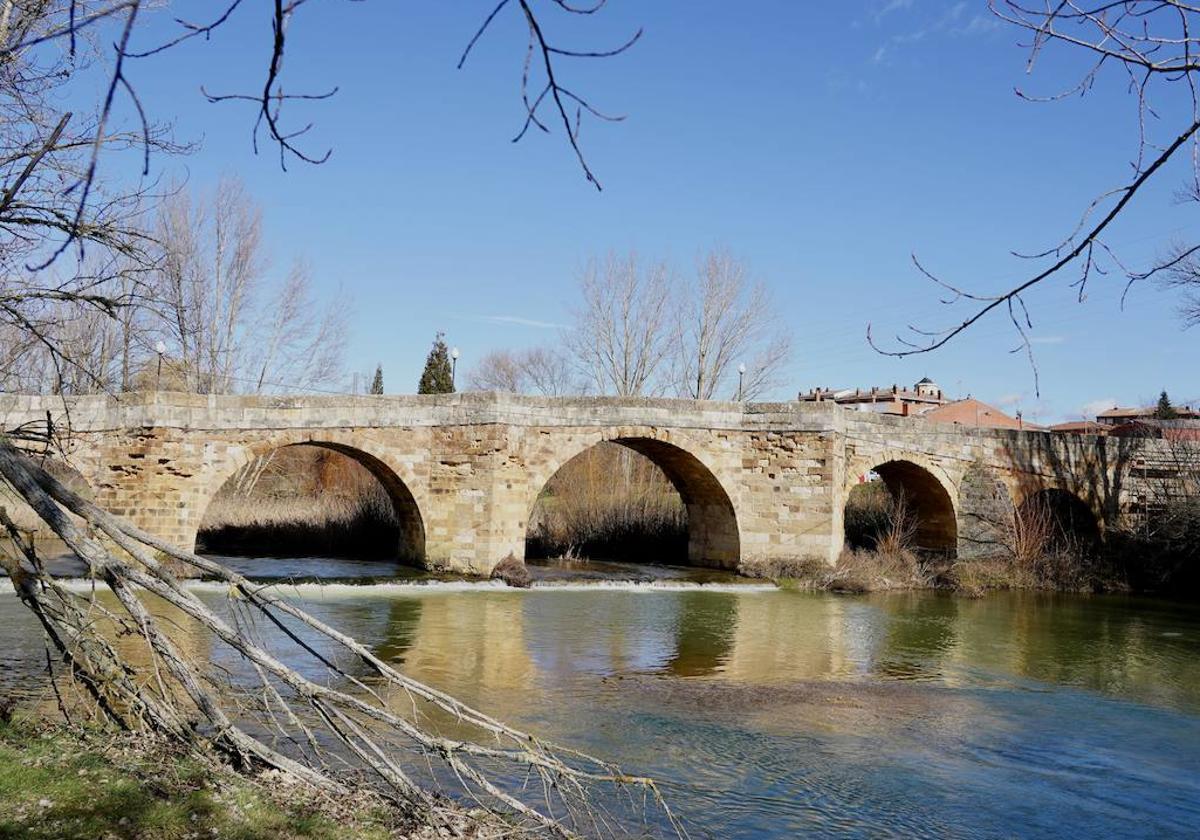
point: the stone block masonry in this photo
(759, 481)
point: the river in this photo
(769, 713)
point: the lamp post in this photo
(160, 348)
(741, 376)
(453, 366)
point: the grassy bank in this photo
(867, 570)
(59, 782)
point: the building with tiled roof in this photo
(902, 402)
(1117, 416)
(973, 412)
(1080, 427)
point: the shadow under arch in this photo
(410, 544)
(1071, 520)
(926, 500)
(713, 538)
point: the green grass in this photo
(69, 783)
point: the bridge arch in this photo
(713, 536)
(410, 547)
(929, 497)
(1069, 520)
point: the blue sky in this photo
(821, 143)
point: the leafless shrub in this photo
(900, 531)
(870, 571)
(878, 520)
(1030, 533)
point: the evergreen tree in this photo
(437, 377)
(1164, 410)
(377, 382)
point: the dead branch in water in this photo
(362, 722)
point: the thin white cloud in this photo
(893, 6)
(521, 322)
(977, 25)
(1047, 339)
(1009, 399)
(952, 22)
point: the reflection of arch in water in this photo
(793, 637)
(410, 539)
(704, 632)
(578, 632)
(712, 528)
(470, 644)
(928, 501)
(1071, 522)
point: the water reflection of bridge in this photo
(502, 643)
(503, 649)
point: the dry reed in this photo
(609, 502)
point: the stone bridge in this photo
(759, 481)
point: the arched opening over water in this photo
(1064, 521)
(637, 500)
(904, 501)
(314, 499)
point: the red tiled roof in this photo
(1081, 427)
(973, 412)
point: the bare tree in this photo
(623, 329)
(1184, 276)
(299, 344)
(51, 199)
(226, 327)
(726, 320)
(212, 263)
(539, 370)
(549, 372)
(1153, 49)
(498, 370)
(57, 208)
(55, 213)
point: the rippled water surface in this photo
(773, 713)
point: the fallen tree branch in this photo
(346, 716)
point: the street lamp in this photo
(741, 375)
(453, 365)
(160, 347)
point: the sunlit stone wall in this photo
(760, 481)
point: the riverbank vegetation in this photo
(1035, 548)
